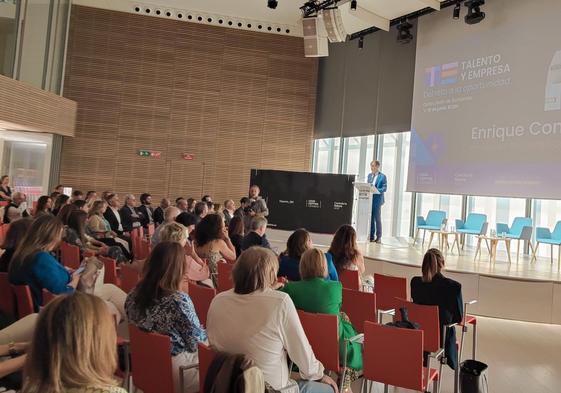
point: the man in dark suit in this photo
(256, 236)
(130, 218)
(145, 210)
(159, 212)
(112, 214)
(380, 182)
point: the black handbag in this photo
(404, 323)
(473, 377)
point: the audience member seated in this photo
(245, 202)
(44, 205)
(159, 211)
(145, 210)
(112, 214)
(91, 197)
(160, 304)
(433, 289)
(344, 252)
(195, 268)
(19, 331)
(210, 206)
(16, 209)
(191, 202)
(60, 201)
(74, 348)
(130, 218)
(206, 198)
(14, 357)
(170, 214)
(289, 262)
(200, 211)
(235, 233)
(181, 204)
(317, 295)
(255, 320)
(77, 195)
(100, 228)
(59, 189)
(5, 190)
(256, 235)
(33, 265)
(65, 211)
(13, 239)
(75, 234)
(229, 210)
(81, 204)
(213, 244)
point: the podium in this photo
(364, 210)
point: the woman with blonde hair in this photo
(100, 228)
(262, 323)
(317, 295)
(160, 304)
(73, 349)
(433, 289)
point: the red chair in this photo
(468, 320)
(388, 289)
(359, 307)
(151, 230)
(111, 276)
(322, 331)
(151, 361)
(3, 203)
(7, 297)
(129, 278)
(47, 297)
(3, 230)
(201, 297)
(394, 356)
(350, 279)
(70, 255)
(206, 356)
(225, 281)
(24, 300)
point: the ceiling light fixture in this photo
(272, 4)
(361, 42)
(404, 35)
(474, 15)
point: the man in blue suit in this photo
(378, 180)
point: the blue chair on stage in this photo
(475, 224)
(545, 236)
(520, 230)
(434, 221)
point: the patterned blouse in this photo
(173, 315)
(97, 389)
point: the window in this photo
(358, 152)
(451, 204)
(326, 155)
(546, 213)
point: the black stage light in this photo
(474, 15)
(404, 35)
(272, 4)
(361, 42)
(457, 8)
(353, 4)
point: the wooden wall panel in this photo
(26, 108)
(236, 100)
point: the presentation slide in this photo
(487, 102)
(317, 202)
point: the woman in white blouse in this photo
(256, 320)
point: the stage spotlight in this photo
(474, 15)
(353, 4)
(360, 42)
(272, 4)
(404, 35)
(457, 8)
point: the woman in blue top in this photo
(289, 261)
(33, 265)
(160, 304)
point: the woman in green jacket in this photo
(317, 295)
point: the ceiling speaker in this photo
(334, 25)
(315, 41)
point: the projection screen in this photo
(487, 102)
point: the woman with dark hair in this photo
(5, 190)
(160, 304)
(433, 289)
(33, 265)
(212, 242)
(14, 236)
(289, 262)
(235, 233)
(44, 205)
(60, 201)
(76, 235)
(82, 204)
(344, 251)
(65, 211)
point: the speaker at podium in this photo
(364, 210)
